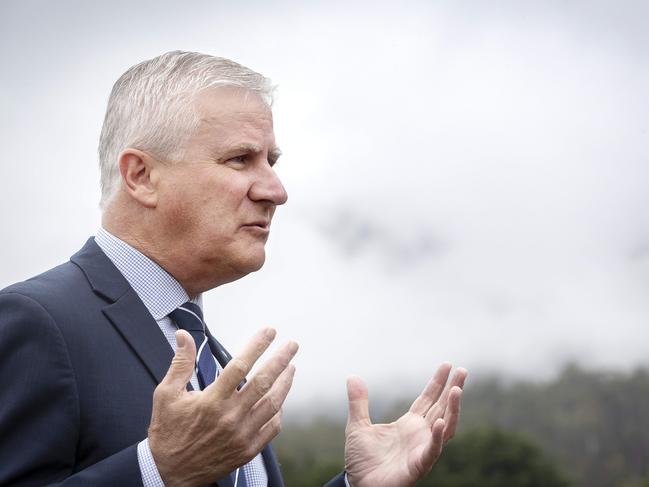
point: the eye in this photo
(237, 161)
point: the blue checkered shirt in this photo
(161, 294)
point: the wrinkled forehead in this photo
(233, 116)
(231, 102)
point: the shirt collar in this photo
(159, 291)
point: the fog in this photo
(467, 180)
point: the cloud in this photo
(467, 180)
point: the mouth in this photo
(262, 226)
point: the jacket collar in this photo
(125, 310)
(103, 276)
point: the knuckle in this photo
(283, 360)
(251, 451)
(262, 384)
(270, 405)
(275, 405)
(228, 423)
(181, 361)
(276, 424)
(239, 365)
(160, 393)
(262, 345)
(205, 409)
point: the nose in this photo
(267, 187)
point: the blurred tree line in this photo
(584, 429)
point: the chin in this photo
(251, 262)
(242, 262)
(258, 262)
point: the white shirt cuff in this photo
(346, 481)
(148, 469)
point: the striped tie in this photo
(189, 316)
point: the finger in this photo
(269, 405)
(263, 380)
(359, 409)
(182, 366)
(269, 431)
(237, 368)
(452, 413)
(257, 442)
(440, 406)
(460, 377)
(432, 391)
(434, 450)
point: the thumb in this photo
(182, 366)
(359, 411)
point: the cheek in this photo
(175, 201)
(208, 206)
(178, 214)
(226, 198)
(216, 215)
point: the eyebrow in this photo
(273, 155)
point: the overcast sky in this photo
(467, 180)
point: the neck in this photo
(140, 229)
(133, 227)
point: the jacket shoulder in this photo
(52, 286)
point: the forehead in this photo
(233, 116)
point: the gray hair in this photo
(150, 107)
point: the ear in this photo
(140, 176)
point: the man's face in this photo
(217, 204)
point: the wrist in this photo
(169, 474)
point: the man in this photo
(110, 376)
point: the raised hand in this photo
(400, 453)
(200, 436)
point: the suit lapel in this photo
(125, 310)
(134, 322)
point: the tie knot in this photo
(189, 316)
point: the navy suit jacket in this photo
(80, 356)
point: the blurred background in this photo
(467, 181)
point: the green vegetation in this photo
(584, 429)
(493, 458)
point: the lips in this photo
(263, 224)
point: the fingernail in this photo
(270, 333)
(293, 347)
(180, 340)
